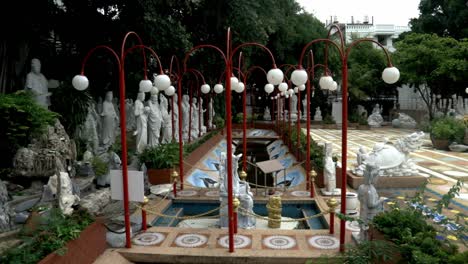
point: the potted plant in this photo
(160, 161)
(445, 131)
(329, 122)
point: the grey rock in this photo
(21, 217)
(26, 205)
(5, 211)
(95, 202)
(458, 147)
(117, 239)
(45, 155)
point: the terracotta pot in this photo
(440, 143)
(85, 249)
(160, 176)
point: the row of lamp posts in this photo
(300, 77)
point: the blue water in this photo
(293, 210)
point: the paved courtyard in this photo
(443, 167)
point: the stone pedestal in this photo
(336, 112)
(385, 182)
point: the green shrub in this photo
(219, 122)
(164, 156)
(52, 235)
(448, 128)
(189, 148)
(72, 106)
(99, 166)
(22, 118)
(328, 119)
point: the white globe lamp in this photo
(299, 77)
(218, 88)
(205, 88)
(162, 81)
(80, 82)
(154, 90)
(145, 86)
(269, 88)
(302, 87)
(170, 91)
(275, 76)
(326, 82)
(390, 75)
(283, 87)
(240, 87)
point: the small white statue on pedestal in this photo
(141, 115)
(202, 117)
(329, 172)
(167, 121)
(185, 116)
(375, 119)
(110, 121)
(267, 114)
(318, 114)
(195, 126)
(211, 114)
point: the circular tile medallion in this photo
(279, 242)
(240, 241)
(187, 193)
(324, 242)
(148, 239)
(191, 240)
(212, 193)
(300, 193)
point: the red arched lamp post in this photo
(390, 75)
(80, 82)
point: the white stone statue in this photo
(393, 159)
(267, 114)
(130, 121)
(304, 106)
(175, 110)
(88, 130)
(110, 121)
(154, 121)
(65, 195)
(240, 190)
(361, 155)
(37, 83)
(329, 172)
(195, 129)
(202, 117)
(141, 115)
(211, 114)
(370, 203)
(167, 120)
(185, 116)
(293, 107)
(404, 121)
(318, 114)
(375, 119)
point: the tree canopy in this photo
(442, 17)
(437, 63)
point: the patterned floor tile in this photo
(190, 240)
(240, 241)
(279, 242)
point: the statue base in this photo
(388, 182)
(335, 192)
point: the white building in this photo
(383, 33)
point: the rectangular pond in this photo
(292, 209)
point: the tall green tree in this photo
(433, 65)
(442, 17)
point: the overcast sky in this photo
(397, 12)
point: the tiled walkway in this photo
(444, 167)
